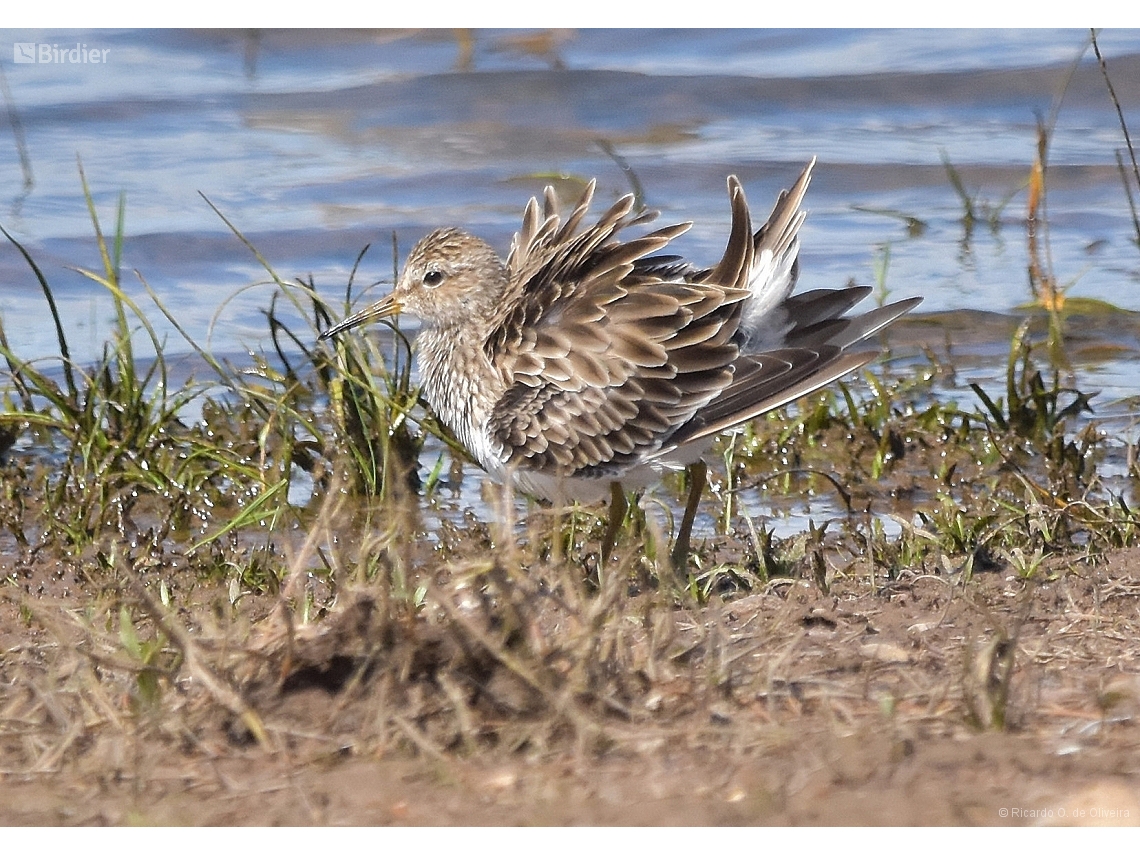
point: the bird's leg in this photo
(618, 507)
(697, 473)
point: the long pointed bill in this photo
(384, 309)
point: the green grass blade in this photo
(64, 351)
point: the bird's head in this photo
(450, 279)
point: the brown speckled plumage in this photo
(585, 358)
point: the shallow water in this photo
(315, 144)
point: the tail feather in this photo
(823, 304)
(790, 345)
(783, 225)
(775, 268)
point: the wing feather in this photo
(612, 353)
(601, 356)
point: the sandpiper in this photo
(586, 361)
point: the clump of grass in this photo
(117, 431)
(116, 461)
(368, 433)
(1038, 412)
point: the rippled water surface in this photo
(315, 144)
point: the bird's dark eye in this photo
(432, 278)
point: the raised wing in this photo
(604, 355)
